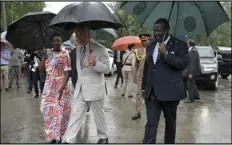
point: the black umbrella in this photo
(32, 31)
(95, 15)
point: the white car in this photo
(113, 67)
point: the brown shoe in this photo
(136, 116)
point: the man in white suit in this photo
(89, 62)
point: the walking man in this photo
(5, 57)
(89, 63)
(166, 58)
(192, 71)
(15, 66)
(118, 61)
(141, 56)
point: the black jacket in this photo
(194, 66)
(166, 76)
(116, 56)
(73, 73)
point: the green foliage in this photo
(15, 10)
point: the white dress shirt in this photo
(156, 50)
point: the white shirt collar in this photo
(86, 46)
(166, 41)
(190, 48)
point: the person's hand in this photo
(162, 48)
(60, 93)
(190, 76)
(91, 60)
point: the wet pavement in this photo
(207, 122)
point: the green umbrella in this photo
(104, 34)
(185, 18)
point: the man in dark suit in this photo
(162, 84)
(118, 61)
(191, 72)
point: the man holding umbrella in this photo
(162, 85)
(89, 62)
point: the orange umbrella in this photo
(124, 42)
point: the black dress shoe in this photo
(136, 116)
(102, 141)
(36, 96)
(130, 96)
(52, 142)
(188, 101)
(115, 87)
(7, 90)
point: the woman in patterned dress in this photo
(55, 101)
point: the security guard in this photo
(141, 56)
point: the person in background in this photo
(118, 61)
(28, 58)
(5, 57)
(141, 56)
(162, 87)
(36, 74)
(191, 72)
(128, 71)
(55, 100)
(15, 66)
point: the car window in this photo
(205, 52)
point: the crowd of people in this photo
(157, 68)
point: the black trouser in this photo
(192, 89)
(119, 73)
(154, 108)
(36, 79)
(185, 81)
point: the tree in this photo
(15, 10)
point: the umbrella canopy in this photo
(123, 43)
(95, 15)
(190, 18)
(104, 34)
(32, 31)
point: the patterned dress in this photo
(56, 113)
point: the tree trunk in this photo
(3, 17)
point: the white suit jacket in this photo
(91, 80)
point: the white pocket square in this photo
(172, 52)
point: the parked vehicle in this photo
(113, 67)
(209, 67)
(224, 61)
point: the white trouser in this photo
(78, 110)
(127, 82)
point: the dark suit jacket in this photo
(73, 73)
(166, 76)
(116, 56)
(194, 66)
